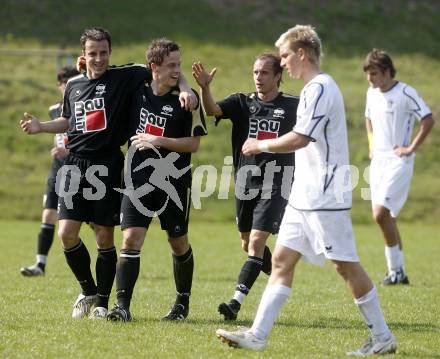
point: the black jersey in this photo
(98, 109)
(163, 116)
(254, 118)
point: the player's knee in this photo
(104, 238)
(179, 245)
(256, 245)
(341, 269)
(132, 242)
(68, 238)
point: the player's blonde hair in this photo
(304, 37)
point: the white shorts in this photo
(390, 179)
(318, 235)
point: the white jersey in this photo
(392, 114)
(321, 175)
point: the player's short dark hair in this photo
(158, 49)
(95, 34)
(65, 73)
(381, 59)
(276, 63)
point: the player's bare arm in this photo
(143, 141)
(203, 79)
(32, 125)
(187, 98)
(426, 126)
(289, 142)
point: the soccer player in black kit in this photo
(165, 136)
(263, 181)
(49, 216)
(95, 115)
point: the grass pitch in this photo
(319, 319)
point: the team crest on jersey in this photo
(100, 90)
(77, 93)
(151, 123)
(263, 129)
(90, 115)
(167, 110)
(279, 112)
(252, 109)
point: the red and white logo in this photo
(151, 123)
(90, 115)
(263, 129)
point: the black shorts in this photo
(158, 203)
(50, 198)
(261, 214)
(98, 203)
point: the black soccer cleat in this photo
(178, 312)
(119, 314)
(393, 278)
(229, 310)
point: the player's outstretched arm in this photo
(32, 125)
(289, 142)
(203, 79)
(426, 126)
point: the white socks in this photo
(239, 296)
(394, 258)
(271, 302)
(41, 258)
(370, 308)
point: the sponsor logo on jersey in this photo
(263, 129)
(167, 110)
(100, 90)
(90, 115)
(151, 123)
(279, 112)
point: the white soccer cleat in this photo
(241, 339)
(98, 313)
(82, 305)
(32, 271)
(375, 347)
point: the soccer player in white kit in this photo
(391, 110)
(316, 223)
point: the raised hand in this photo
(202, 77)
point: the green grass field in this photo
(319, 320)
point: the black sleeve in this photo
(67, 111)
(230, 107)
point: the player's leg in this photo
(255, 241)
(393, 245)
(390, 180)
(183, 269)
(105, 268)
(49, 218)
(275, 295)
(365, 296)
(78, 259)
(127, 270)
